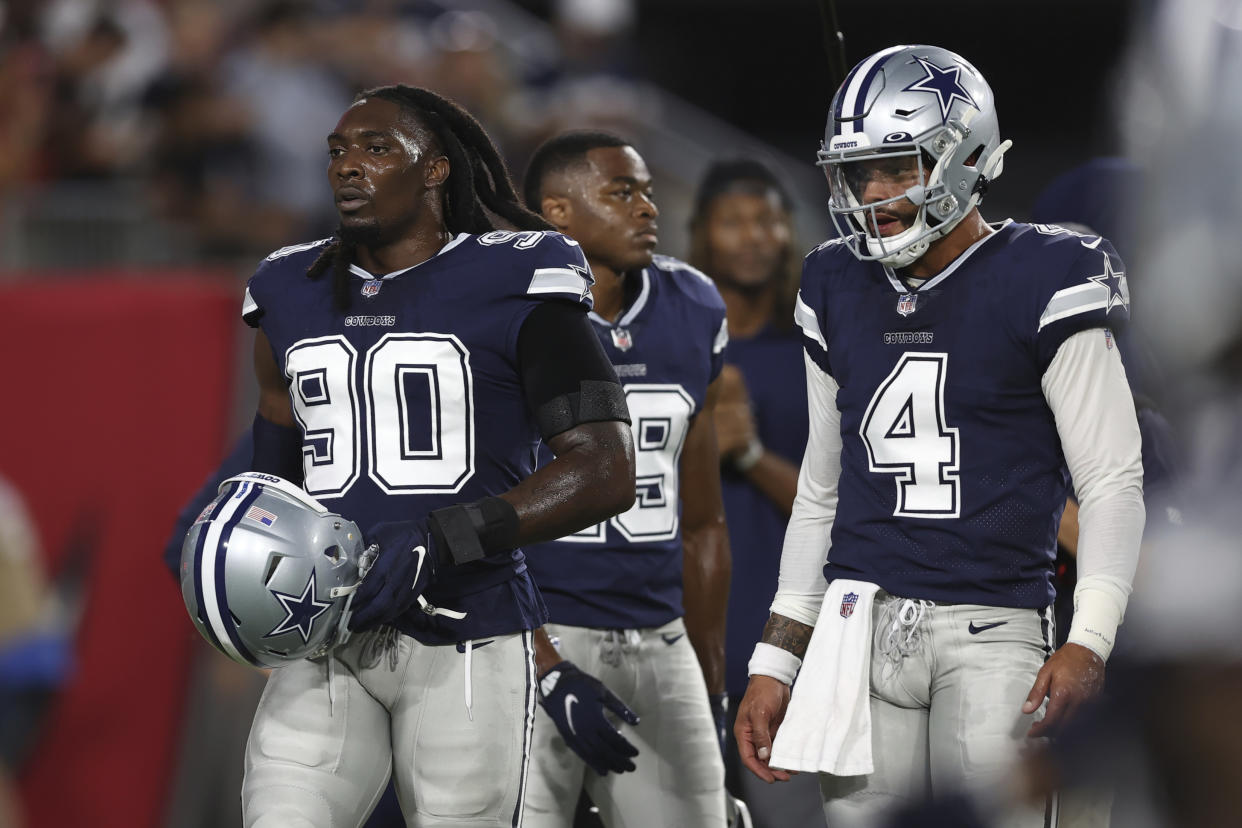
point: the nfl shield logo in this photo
(371, 287)
(622, 339)
(905, 305)
(848, 601)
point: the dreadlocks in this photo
(477, 188)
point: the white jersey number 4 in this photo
(906, 435)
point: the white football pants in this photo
(679, 779)
(947, 686)
(399, 707)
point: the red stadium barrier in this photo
(115, 408)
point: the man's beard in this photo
(369, 233)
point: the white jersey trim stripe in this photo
(1075, 300)
(295, 248)
(722, 337)
(558, 280)
(808, 322)
(249, 306)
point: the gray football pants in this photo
(679, 779)
(397, 707)
(946, 709)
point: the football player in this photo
(636, 601)
(955, 369)
(408, 368)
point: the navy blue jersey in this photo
(411, 400)
(667, 348)
(772, 366)
(952, 476)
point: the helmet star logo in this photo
(300, 610)
(945, 84)
(1114, 281)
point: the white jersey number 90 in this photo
(416, 426)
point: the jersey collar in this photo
(632, 312)
(366, 274)
(900, 286)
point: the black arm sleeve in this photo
(566, 375)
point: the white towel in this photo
(827, 727)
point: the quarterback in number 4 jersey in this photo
(958, 373)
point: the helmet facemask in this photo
(937, 210)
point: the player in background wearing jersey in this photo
(638, 601)
(408, 369)
(741, 234)
(956, 371)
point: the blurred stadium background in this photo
(152, 151)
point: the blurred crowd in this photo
(212, 113)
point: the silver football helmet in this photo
(920, 101)
(268, 574)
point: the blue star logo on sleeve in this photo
(587, 276)
(300, 610)
(1114, 281)
(945, 84)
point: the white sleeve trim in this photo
(801, 584)
(1086, 388)
(809, 322)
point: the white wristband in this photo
(769, 660)
(746, 460)
(1095, 622)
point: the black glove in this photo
(577, 702)
(719, 703)
(403, 569)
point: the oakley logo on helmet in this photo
(897, 137)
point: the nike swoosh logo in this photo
(671, 639)
(975, 629)
(461, 645)
(570, 701)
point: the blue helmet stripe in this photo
(860, 101)
(836, 112)
(222, 602)
(198, 574)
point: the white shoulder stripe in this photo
(722, 337)
(563, 281)
(295, 248)
(1078, 299)
(809, 322)
(249, 306)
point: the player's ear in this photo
(557, 211)
(437, 172)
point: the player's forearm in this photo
(787, 634)
(777, 479)
(590, 480)
(546, 654)
(707, 570)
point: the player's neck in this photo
(943, 252)
(608, 291)
(404, 252)
(747, 311)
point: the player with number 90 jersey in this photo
(943, 414)
(411, 400)
(667, 347)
